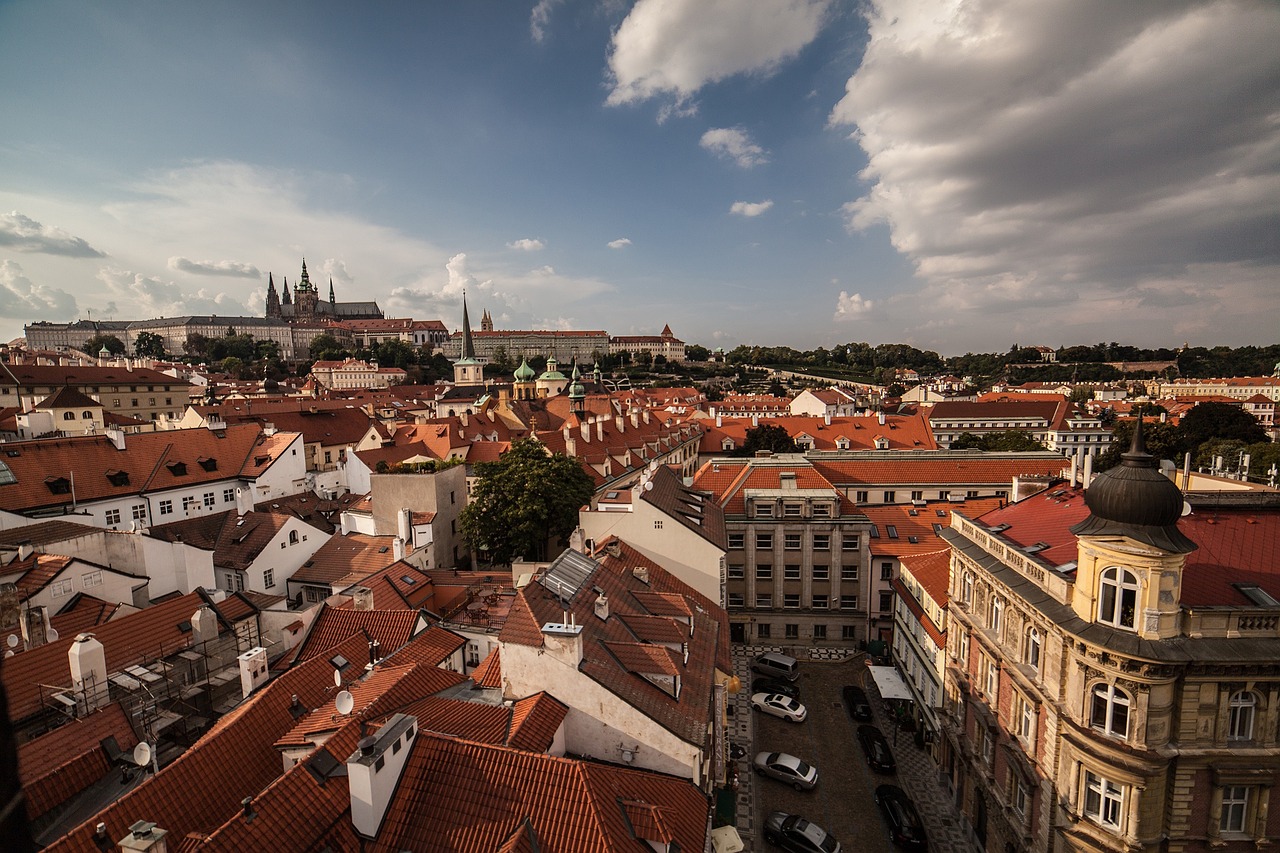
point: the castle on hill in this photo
(302, 304)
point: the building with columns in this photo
(1112, 679)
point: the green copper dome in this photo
(524, 373)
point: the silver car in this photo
(778, 705)
(786, 768)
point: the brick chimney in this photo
(88, 662)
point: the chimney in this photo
(1088, 470)
(374, 770)
(89, 671)
(620, 422)
(204, 626)
(26, 549)
(880, 418)
(244, 500)
(35, 627)
(361, 598)
(641, 573)
(600, 428)
(404, 524)
(826, 418)
(719, 420)
(145, 837)
(644, 413)
(397, 548)
(585, 429)
(602, 606)
(563, 641)
(578, 540)
(1075, 464)
(116, 436)
(755, 420)
(253, 669)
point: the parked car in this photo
(904, 821)
(786, 768)
(775, 685)
(792, 832)
(855, 699)
(877, 749)
(776, 665)
(777, 705)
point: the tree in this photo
(1163, 441)
(94, 345)
(767, 437)
(196, 345)
(323, 346)
(1219, 420)
(148, 345)
(523, 501)
(1015, 440)
(696, 352)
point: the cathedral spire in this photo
(468, 348)
(273, 298)
(287, 298)
(332, 301)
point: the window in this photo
(1240, 715)
(764, 541)
(293, 537)
(890, 497)
(1235, 805)
(791, 572)
(91, 579)
(886, 571)
(821, 510)
(995, 614)
(791, 599)
(736, 540)
(139, 512)
(850, 542)
(764, 510)
(737, 572)
(68, 416)
(849, 632)
(848, 602)
(111, 516)
(1031, 656)
(1117, 598)
(821, 573)
(988, 746)
(791, 541)
(992, 684)
(886, 602)
(822, 541)
(228, 495)
(1020, 795)
(166, 507)
(657, 524)
(1025, 719)
(134, 402)
(944, 495)
(849, 573)
(1109, 710)
(792, 510)
(328, 456)
(208, 498)
(268, 578)
(861, 497)
(891, 530)
(737, 599)
(151, 401)
(791, 631)
(966, 589)
(819, 632)
(962, 650)
(764, 573)
(917, 495)
(1103, 800)
(762, 631)
(820, 601)
(764, 599)
(60, 588)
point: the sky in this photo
(958, 175)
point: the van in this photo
(777, 665)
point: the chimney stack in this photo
(253, 669)
(374, 770)
(204, 625)
(88, 662)
(145, 837)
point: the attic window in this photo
(875, 531)
(261, 460)
(208, 463)
(184, 626)
(118, 478)
(384, 549)
(1256, 594)
(58, 485)
(177, 469)
(339, 663)
(914, 540)
(410, 581)
(892, 530)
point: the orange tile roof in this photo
(488, 673)
(60, 764)
(933, 572)
(401, 586)
(347, 559)
(432, 647)
(1045, 517)
(392, 629)
(534, 722)
(81, 613)
(903, 432)
(920, 522)
(941, 468)
(1236, 546)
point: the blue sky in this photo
(956, 175)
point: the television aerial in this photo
(344, 702)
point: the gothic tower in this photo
(486, 322)
(305, 297)
(467, 370)
(332, 301)
(287, 298)
(273, 298)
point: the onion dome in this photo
(524, 373)
(576, 390)
(1135, 500)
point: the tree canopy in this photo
(148, 345)
(525, 501)
(1008, 440)
(768, 437)
(94, 345)
(1219, 421)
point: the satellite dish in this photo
(344, 702)
(142, 754)
(337, 678)
(1186, 509)
(13, 641)
(8, 653)
(53, 635)
(648, 485)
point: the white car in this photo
(787, 768)
(779, 706)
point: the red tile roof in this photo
(534, 722)
(920, 522)
(1236, 547)
(390, 628)
(488, 673)
(60, 764)
(1045, 517)
(942, 468)
(902, 432)
(432, 647)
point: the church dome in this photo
(576, 390)
(524, 373)
(1135, 500)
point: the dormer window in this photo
(208, 463)
(727, 444)
(58, 485)
(882, 443)
(118, 478)
(177, 469)
(842, 443)
(1118, 598)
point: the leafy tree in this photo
(767, 437)
(524, 501)
(266, 350)
(501, 360)
(1163, 441)
(233, 366)
(148, 345)
(396, 353)
(696, 352)
(1228, 448)
(1008, 440)
(1081, 394)
(241, 346)
(1220, 421)
(94, 345)
(196, 345)
(324, 346)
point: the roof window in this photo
(208, 463)
(177, 469)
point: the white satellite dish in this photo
(142, 754)
(8, 653)
(648, 485)
(13, 641)
(337, 678)
(1186, 509)
(344, 702)
(53, 635)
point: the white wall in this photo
(284, 558)
(110, 586)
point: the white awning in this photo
(890, 683)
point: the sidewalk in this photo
(928, 789)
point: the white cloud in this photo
(527, 244)
(1073, 158)
(21, 298)
(157, 298)
(750, 208)
(620, 243)
(540, 18)
(849, 307)
(233, 269)
(27, 235)
(672, 48)
(735, 144)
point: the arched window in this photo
(293, 537)
(1109, 711)
(86, 415)
(1032, 655)
(1118, 598)
(996, 614)
(966, 588)
(1240, 713)
(68, 416)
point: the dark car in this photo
(877, 749)
(904, 821)
(792, 832)
(855, 699)
(775, 685)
